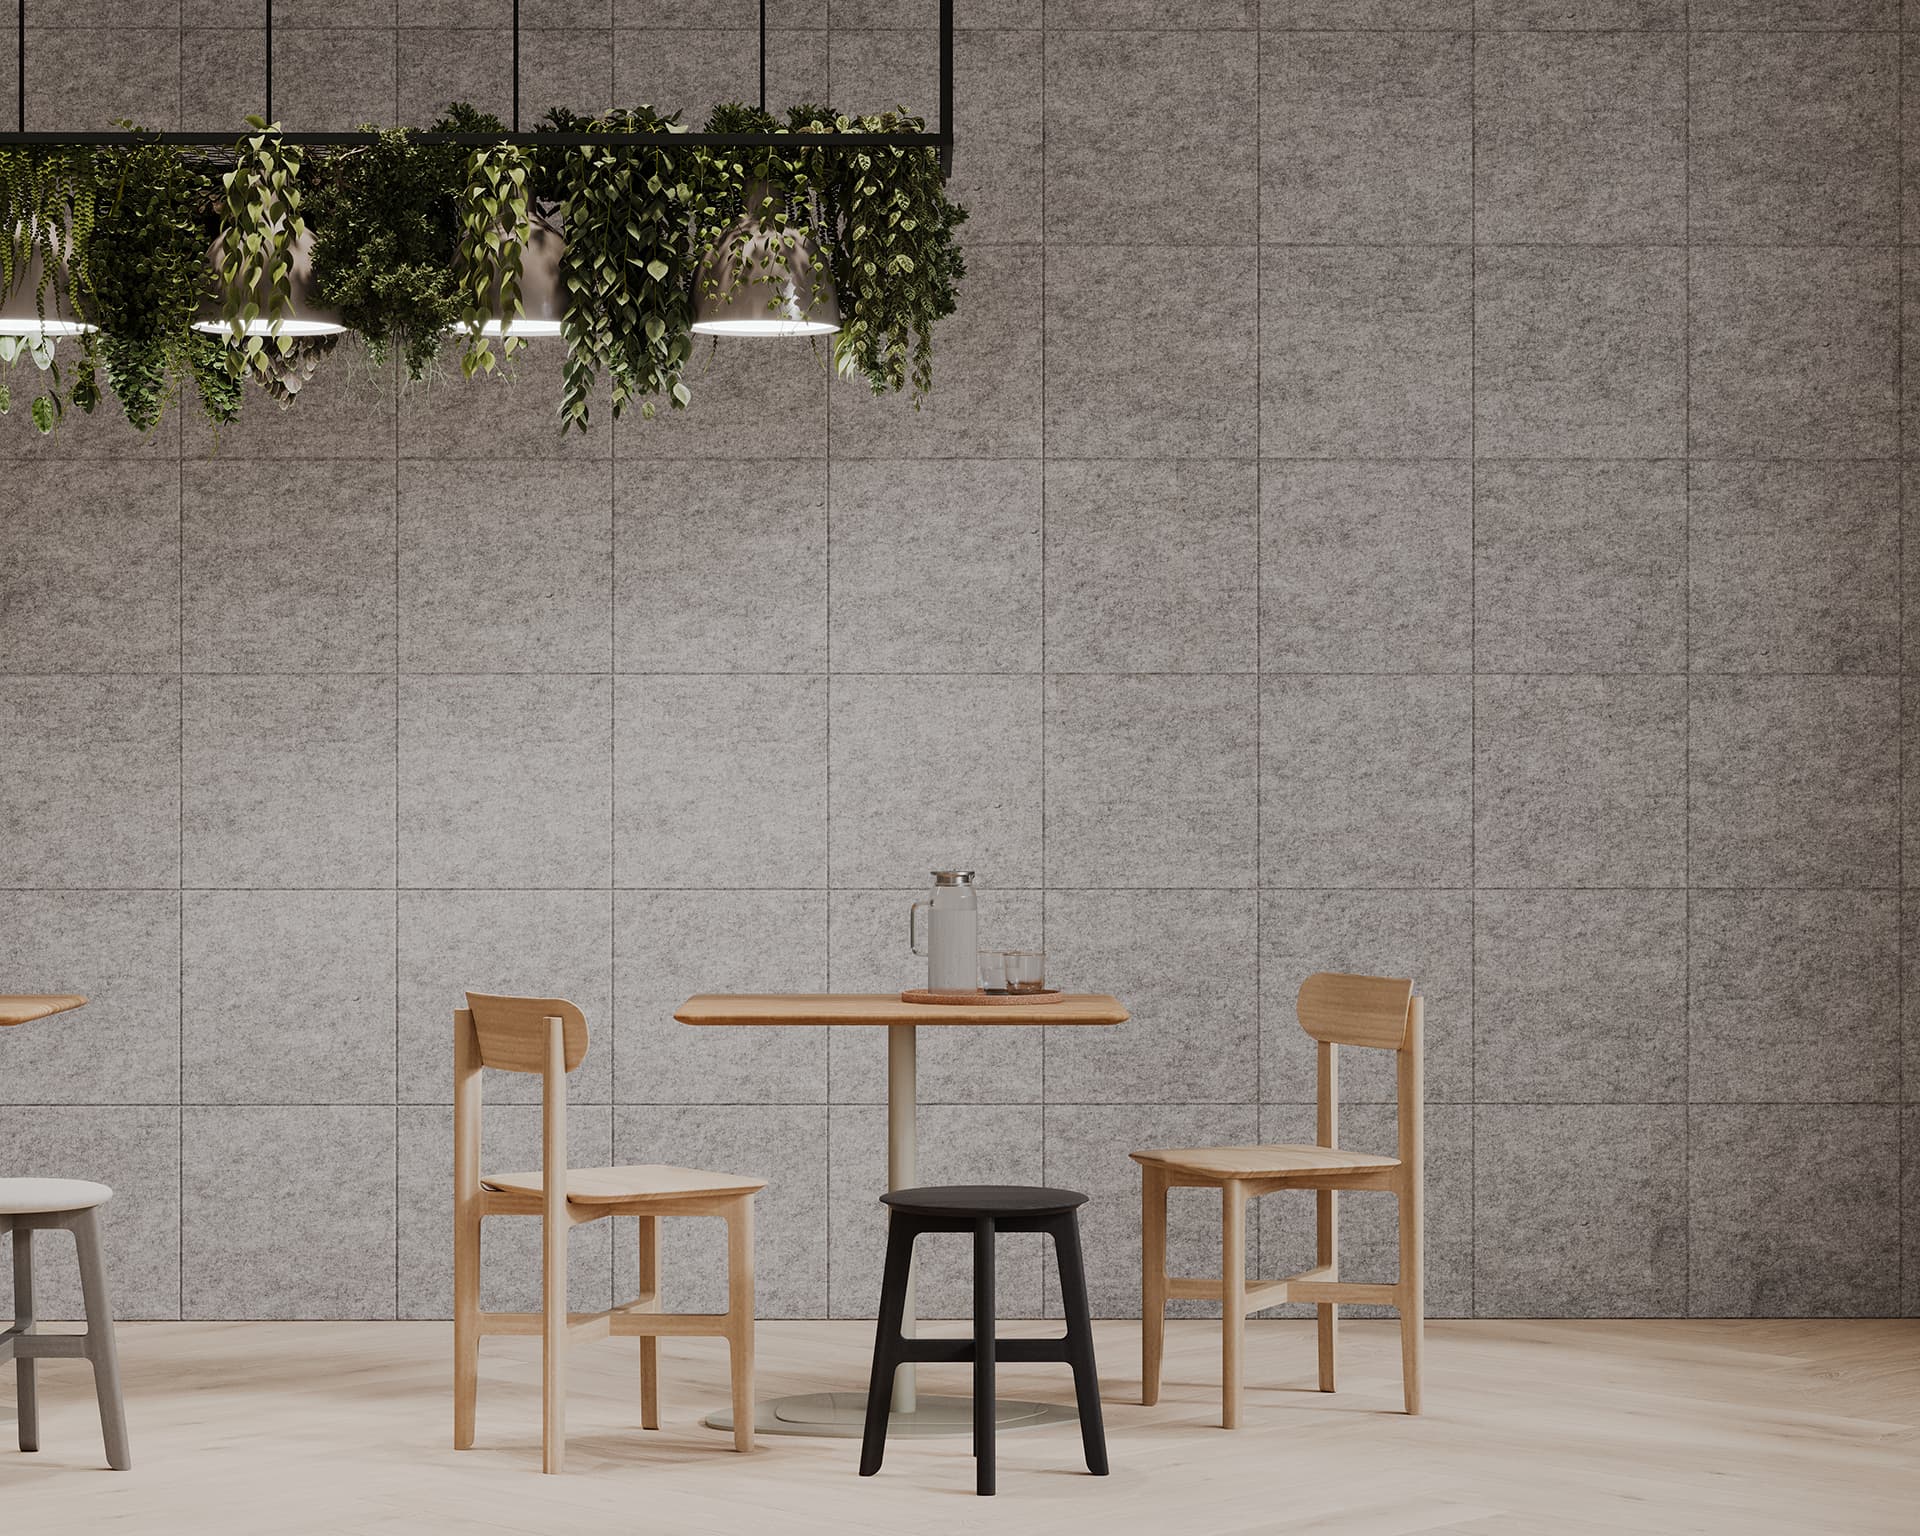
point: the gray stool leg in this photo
(24, 1385)
(100, 1350)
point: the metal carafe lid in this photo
(953, 877)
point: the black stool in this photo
(983, 1210)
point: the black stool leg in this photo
(1086, 1379)
(983, 1404)
(886, 1340)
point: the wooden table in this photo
(24, 1010)
(825, 1413)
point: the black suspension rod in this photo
(516, 66)
(763, 55)
(269, 60)
(946, 87)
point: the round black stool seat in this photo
(977, 1200)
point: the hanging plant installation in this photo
(50, 198)
(388, 226)
(191, 255)
(627, 270)
(142, 280)
(765, 271)
(895, 261)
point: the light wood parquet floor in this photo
(1532, 1429)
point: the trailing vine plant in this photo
(253, 258)
(46, 221)
(496, 222)
(628, 267)
(388, 222)
(896, 263)
(145, 274)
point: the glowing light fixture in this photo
(542, 296)
(305, 314)
(20, 309)
(760, 281)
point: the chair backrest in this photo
(512, 1031)
(512, 1034)
(1356, 1010)
(1383, 1013)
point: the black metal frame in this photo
(940, 139)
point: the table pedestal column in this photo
(842, 1414)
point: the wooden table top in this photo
(886, 1008)
(24, 1010)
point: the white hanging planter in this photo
(305, 315)
(542, 295)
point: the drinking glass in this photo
(993, 971)
(1026, 970)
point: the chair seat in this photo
(1268, 1162)
(36, 1197)
(640, 1181)
(978, 1200)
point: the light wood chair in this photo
(548, 1036)
(1375, 1011)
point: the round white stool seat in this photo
(34, 1197)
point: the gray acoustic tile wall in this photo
(1413, 486)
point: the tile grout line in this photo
(180, 875)
(1259, 712)
(521, 890)
(1900, 1307)
(398, 1310)
(826, 874)
(1686, 660)
(613, 832)
(1044, 681)
(613, 845)
(1473, 667)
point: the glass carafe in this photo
(952, 940)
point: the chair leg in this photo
(1412, 1300)
(1233, 1297)
(1327, 1253)
(1153, 1281)
(887, 1341)
(100, 1344)
(649, 1344)
(983, 1353)
(553, 1352)
(1086, 1376)
(740, 1318)
(26, 1391)
(466, 1328)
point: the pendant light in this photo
(304, 315)
(20, 308)
(542, 296)
(761, 281)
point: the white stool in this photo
(31, 1205)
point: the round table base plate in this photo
(842, 1416)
